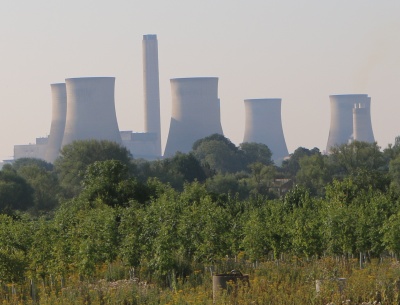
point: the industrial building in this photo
(90, 110)
(83, 108)
(142, 145)
(59, 114)
(350, 119)
(195, 112)
(35, 150)
(263, 124)
(151, 85)
(362, 126)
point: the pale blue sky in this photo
(301, 51)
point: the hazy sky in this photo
(299, 50)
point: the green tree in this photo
(219, 153)
(77, 156)
(41, 253)
(291, 166)
(87, 237)
(340, 229)
(373, 209)
(255, 235)
(15, 240)
(261, 180)
(277, 234)
(65, 243)
(296, 198)
(393, 150)
(97, 234)
(130, 230)
(205, 228)
(187, 166)
(22, 162)
(394, 173)
(158, 236)
(226, 184)
(15, 192)
(356, 156)
(304, 227)
(314, 173)
(256, 153)
(176, 170)
(391, 233)
(109, 181)
(340, 217)
(44, 183)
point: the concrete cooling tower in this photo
(263, 124)
(342, 129)
(195, 112)
(362, 126)
(91, 110)
(151, 89)
(59, 113)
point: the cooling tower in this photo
(195, 112)
(362, 126)
(91, 110)
(341, 129)
(263, 124)
(151, 89)
(59, 113)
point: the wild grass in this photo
(293, 281)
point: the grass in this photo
(285, 282)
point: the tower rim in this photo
(349, 95)
(89, 77)
(269, 99)
(193, 78)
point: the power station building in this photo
(350, 119)
(142, 145)
(195, 112)
(84, 108)
(90, 110)
(35, 150)
(263, 124)
(151, 86)
(362, 126)
(59, 114)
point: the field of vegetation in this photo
(98, 227)
(291, 281)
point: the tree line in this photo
(96, 205)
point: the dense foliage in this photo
(163, 218)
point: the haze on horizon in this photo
(300, 51)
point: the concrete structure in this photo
(195, 112)
(91, 110)
(151, 89)
(362, 126)
(37, 150)
(341, 128)
(263, 124)
(59, 114)
(141, 145)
